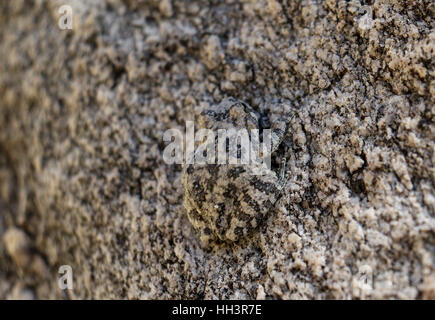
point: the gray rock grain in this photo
(83, 112)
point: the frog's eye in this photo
(264, 122)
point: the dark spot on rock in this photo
(238, 232)
(194, 214)
(244, 217)
(235, 172)
(212, 169)
(189, 169)
(221, 208)
(268, 204)
(198, 192)
(230, 191)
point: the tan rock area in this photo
(83, 181)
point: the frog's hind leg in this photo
(280, 117)
(283, 176)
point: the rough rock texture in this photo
(83, 181)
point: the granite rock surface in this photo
(83, 181)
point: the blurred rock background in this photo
(83, 181)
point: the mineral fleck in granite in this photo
(83, 182)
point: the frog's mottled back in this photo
(228, 201)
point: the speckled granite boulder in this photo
(83, 181)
